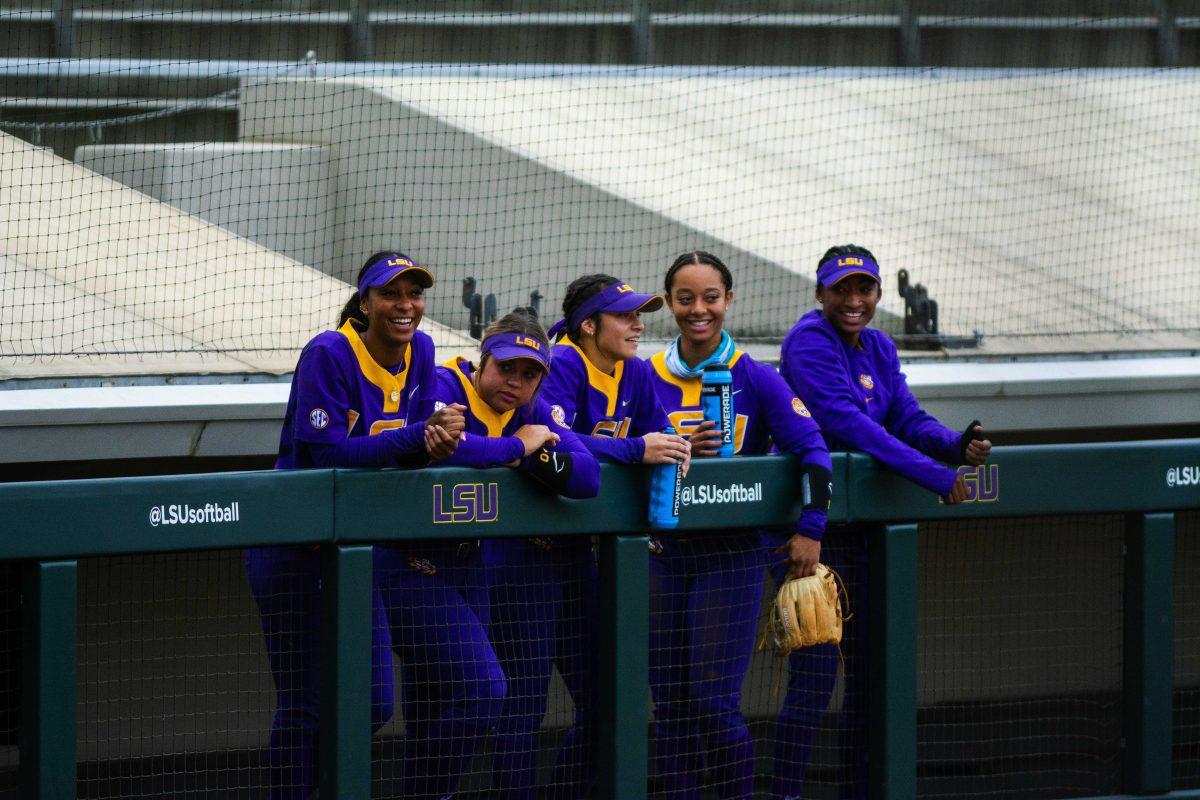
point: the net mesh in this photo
(254, 162)
(1187, 652)
(1019, 657)
(175, 697)
(10, 666)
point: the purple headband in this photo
(840, 267)
(507, 346)
(614, 299)
(385, 269)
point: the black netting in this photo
(264, 149)
(1187, 651)
(10, 674)
(175, 695)
(1020, 658)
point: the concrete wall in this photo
(278, 195)
(453, 198)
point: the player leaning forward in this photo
(362, 396)
(849, 376)
(705, 586)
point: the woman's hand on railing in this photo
(667, 448)
(439, 443)
(958, 492)
(977, 449)
(535, 436)
(450, 418)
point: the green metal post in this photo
(892, 746)
(624, 640)
(1149, 651)
(48, 669)
(345, 740)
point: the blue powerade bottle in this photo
(716, 399)
(666, 481)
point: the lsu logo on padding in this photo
(466, 502)
(983, 483)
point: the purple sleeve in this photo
(484, 451)
(608, 448)
(474, 450)
(813, 367)
(391, 448)
(912, 425)
(793, 433)
(322, 397)
(585, 470)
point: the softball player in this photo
(508, 425)
(850, 377)
(705, 587)
(356, 400)
(544, 591)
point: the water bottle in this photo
(716, 399)
(666, 481)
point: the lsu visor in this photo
(615, 299)
(835, 269)
(507, 346)
(389, 265)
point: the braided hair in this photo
(703, 258)
(579, 292)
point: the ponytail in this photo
(353, 310)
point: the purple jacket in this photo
(861, 400)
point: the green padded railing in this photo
(49, 525)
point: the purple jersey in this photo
(489, 441)
(610, 412)
(339, 392)
(861, 400)
(766, 412)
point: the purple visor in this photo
(507, 346)
(615, 299)
(385, 269)
(840, 267)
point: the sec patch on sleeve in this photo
(559, 416)
(318, 418)
(800, 408)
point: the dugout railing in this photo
(49, 525)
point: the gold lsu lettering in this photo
(527, 342)
(624, 287)
(400, 262)
(850, 261)
(685, 422)
(377, 427)
(613, 428)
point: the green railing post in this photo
(892, 745)
(49, 619)
(1149, 651)
(345, 740)
(624, 644)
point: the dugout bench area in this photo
(1068, 584)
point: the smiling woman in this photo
(705, 586)
(849, 376)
